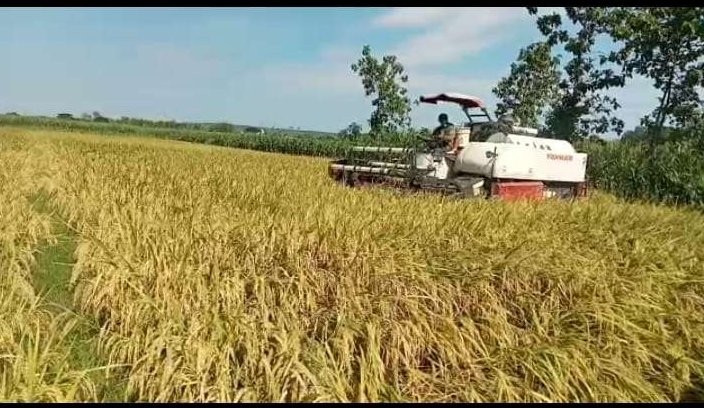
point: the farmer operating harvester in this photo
(482, 158)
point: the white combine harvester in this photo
(493, 160)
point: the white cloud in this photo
(410, 17)
(450, 33)
(330, 81)
(325, 95)
(331, 87)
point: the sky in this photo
(274, 67)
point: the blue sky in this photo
(259, 66)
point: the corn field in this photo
(280, 142)
(671, 173)
(218, 274)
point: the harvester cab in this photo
(482, 158)
(474, 110)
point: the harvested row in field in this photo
(237, 275)
(36, 361)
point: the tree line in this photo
(221, 127)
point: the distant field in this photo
(141, 269)
(280, 141)
(672, 173)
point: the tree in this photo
(531, 85)
(384, 79)
(222, 127)
(581, 108)
(352, 131)
(637, 134)
(665, 44)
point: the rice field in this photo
(150, 270)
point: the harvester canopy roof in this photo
(465, 101)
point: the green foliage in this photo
(531, 85)
(639, 134)
(671, 172)
(384, 80)
(353, 131)
(222, 127)
(582, 107)
(665, 44)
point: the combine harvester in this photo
(494, 160)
